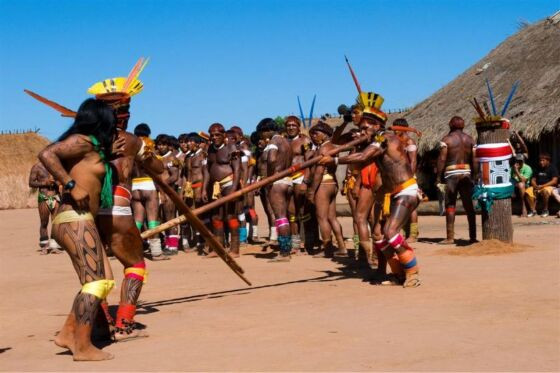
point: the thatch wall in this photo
(532, 55)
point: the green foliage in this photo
(281, 122)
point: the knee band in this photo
(218, 224)
(450, 210)
(292, 218)
(252, 214)
(152, 224)
(233, 223)
(139, 225)
(281, 222)
(381, 245)
(396, 241)
(137, 271)
(99, 288)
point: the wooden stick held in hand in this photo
(198, 225)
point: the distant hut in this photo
(532, 56)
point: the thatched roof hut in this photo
(532, 55)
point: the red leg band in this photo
(252, 214)
(125, 315)
(233, 223)
(450, 210)
(218, 224)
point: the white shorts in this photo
(284, 181)
(411, 190)
(143, 185)
(298, 181)
(116, 211)
(448, 174)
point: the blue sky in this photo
(236, 62)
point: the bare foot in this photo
(123, 336)
(412, 239)
(233, 254)
(91, 353)
(44, 250)
(412, 281)
(65, 339)
(447, 241)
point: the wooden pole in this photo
(198, 225)
(496, 224)
(249, 188)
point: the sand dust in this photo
(491, 313)
(486, 247)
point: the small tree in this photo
(281, 122)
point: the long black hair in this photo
(95, 118)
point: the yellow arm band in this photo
(100, 288)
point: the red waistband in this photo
(120, 191)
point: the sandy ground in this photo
(492, 312)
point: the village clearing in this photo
(486, 311)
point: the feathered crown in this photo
(369, 102)
(484, 116)
(127, 87)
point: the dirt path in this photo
(471, 313)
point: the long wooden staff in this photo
(249, 188)
(198, 225)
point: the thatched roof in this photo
(532, 55)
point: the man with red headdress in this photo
(455, 162)
(390, 158)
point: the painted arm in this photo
(315, 181)
(173, 171)
(75, 146)
(34, 179)
(412, 153)
(366, 156)
(153, 164)
(205, 180)
(441, 161)
(237, 172)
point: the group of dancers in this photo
(97, 180)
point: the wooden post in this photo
(496, 224)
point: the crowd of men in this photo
(103, 186)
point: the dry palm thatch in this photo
(532, 56)
(18, 153)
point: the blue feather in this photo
(491, 97)
(508, 101)
(301, 112)
(311, 112)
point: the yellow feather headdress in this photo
(129, 86)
